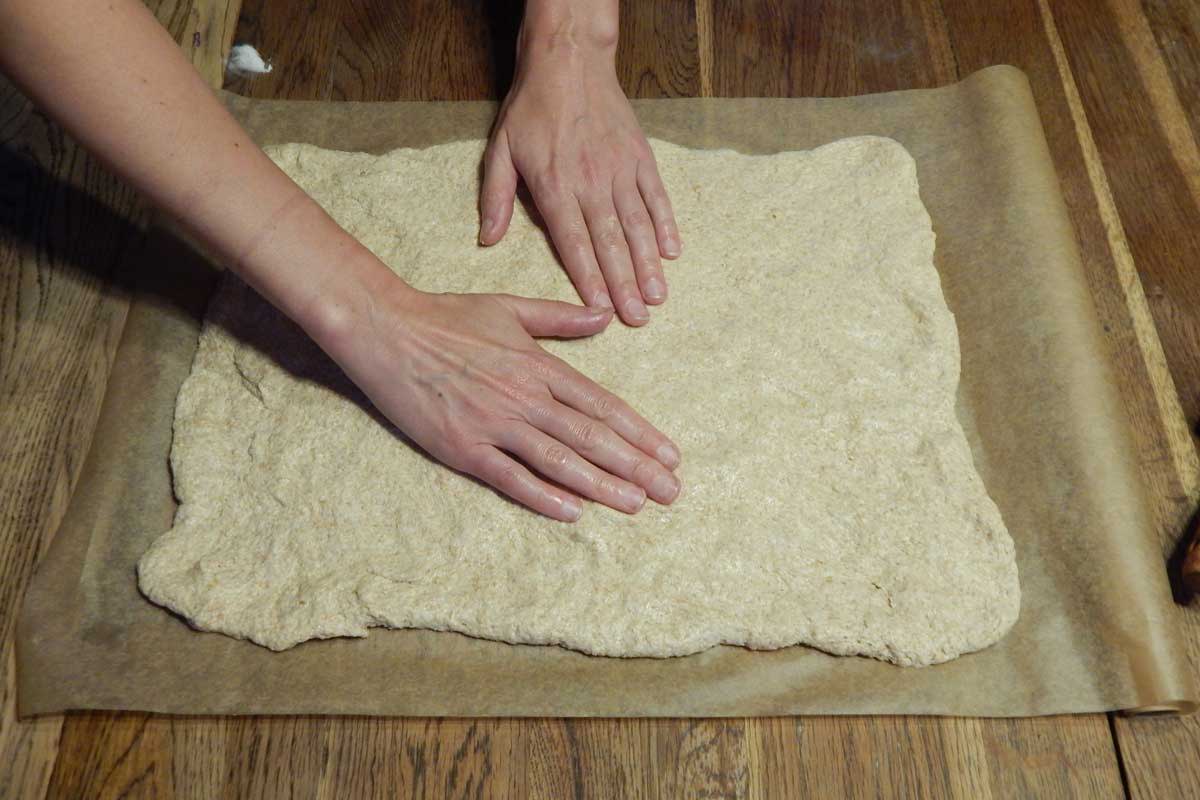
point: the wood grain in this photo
(1145, 141)
(1168, 452)
(851, 48)
(63, 237)
(1118, 88)
(207, 35)
(1149, 152)
(68, 232)
(1160, 437)
(324, 757)
(435, 50)
(1087, 112)
(828, 48)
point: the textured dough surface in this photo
(806, 364)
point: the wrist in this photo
(349, 308)
(567, 29)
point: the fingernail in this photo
(488, 224)
(601, 300)
(632, 497)
(572, 509)
(636, 310)
(655, 290)
(668, 455)
(672, 245)
(664, 488)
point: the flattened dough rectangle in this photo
(806, 363)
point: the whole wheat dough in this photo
(806, 364)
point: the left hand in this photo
(567, 129)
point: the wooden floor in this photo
(1118, 86)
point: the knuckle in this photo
(575, 245)
(595, 290)
(538, 414)
(610, 238)
(607, 230)
(602, 406)
(604, 486)
(515, 390)
(647, 439)
(626, 289)
(643, 471)
(506, 477)
(650, 267)
(540, 365)
(459, 443)
(474, 462)
(586, 435)
(556, 456)
(637, 218)
(518, 380)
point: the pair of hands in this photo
(475, 390)
(461, 375)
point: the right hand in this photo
(463, 377)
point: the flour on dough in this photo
(806, 363)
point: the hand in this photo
(463, 377)
(567, 129)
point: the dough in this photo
(806, 364)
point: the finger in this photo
(612, 252)
(499, 191)
(654, 195)
(639, 235)
(508, 477)
(569, 232)
(602, 446)
(552, 318)
(560, 463)
(588, 398)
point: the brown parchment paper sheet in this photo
(1037, 400)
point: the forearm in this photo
(113, 78)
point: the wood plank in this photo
(936, 757)
(756, 48)
(836, 49)
(1167, 451)
(299, 46)
(441, 51)
(27, 749)
(207, 36)
(1169, 465)
(108, 754)
(828, 48)
(1137, 97)
(1141, 129)
(1096, 118)
(135, 761)
(66, 229)
(658, 50)
(1176, 29)
(426, 50)
(64, 232)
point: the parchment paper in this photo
(1037, 400)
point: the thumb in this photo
(498, 192)
(552, 318)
